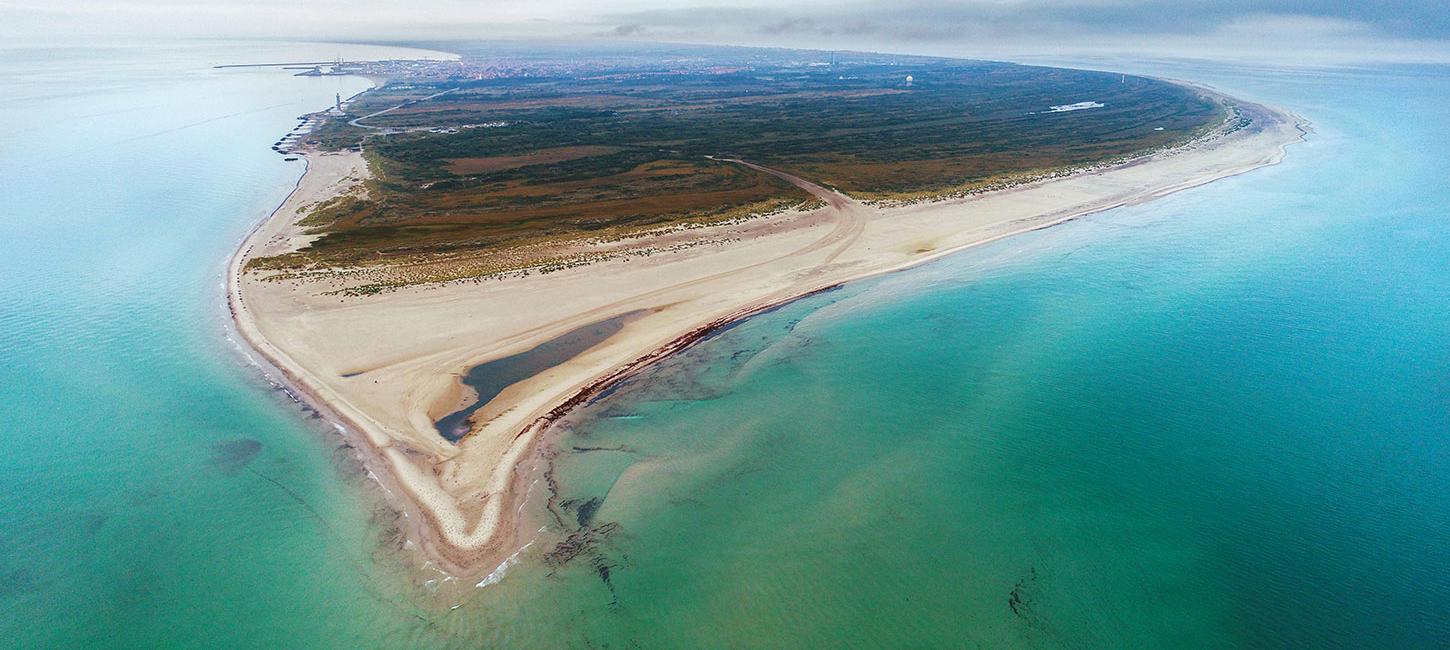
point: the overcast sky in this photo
(1330, 31)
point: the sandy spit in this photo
(386, 366)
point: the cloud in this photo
(795, 26)
(626, 31)
(936, 20)
(1016, 26)
(1001, 27)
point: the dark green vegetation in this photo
(614, 146)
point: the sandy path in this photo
(851, 215)
(357, 122)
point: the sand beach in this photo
(388, 366)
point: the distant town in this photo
(625, 65)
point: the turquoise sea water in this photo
(1215, 420)
(135, 512)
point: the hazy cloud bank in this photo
(1311, 30)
